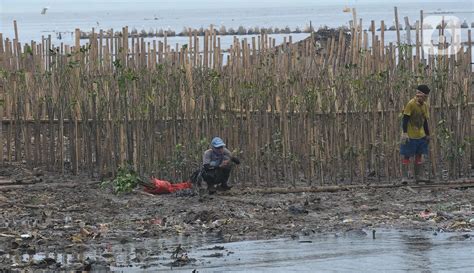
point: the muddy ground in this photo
(48, 213)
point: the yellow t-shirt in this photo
(418, 114)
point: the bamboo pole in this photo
(397, 27)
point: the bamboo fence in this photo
(317, 112)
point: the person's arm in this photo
(230, 157)
(226, 158)
(206, 159)
(425, 123)
(227, 153)
(425, 127)
(405, 120)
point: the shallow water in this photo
(390, 251)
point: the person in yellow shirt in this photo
(415, 134)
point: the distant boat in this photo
(43, 11)
(346, 9)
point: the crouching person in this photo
(217, 165)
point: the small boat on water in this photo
(43, 11)
(346, 9)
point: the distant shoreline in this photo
(240, 31)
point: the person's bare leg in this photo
(405, 170)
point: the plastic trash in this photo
(427, 214)
(162, 186)
(26, 236)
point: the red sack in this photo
(181, 186)
(162, 186)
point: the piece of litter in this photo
(25, 236)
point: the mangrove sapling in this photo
(452, 149)
(125, 181)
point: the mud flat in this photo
(61, 222)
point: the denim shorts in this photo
(414, 147)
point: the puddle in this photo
(391, 250)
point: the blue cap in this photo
(217, 142)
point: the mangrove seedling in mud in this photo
(125, 181)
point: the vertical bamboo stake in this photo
(16, 46)
(417, 45)
(397, 27)
(470, 98)
(206, 48)
(408, 30)
(2, 103)
(382, 42)
(2, 51)
(421, 36)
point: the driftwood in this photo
(144, 193)
(408, 188)
(46, 186)
(20, 182)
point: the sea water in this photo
(64, 16)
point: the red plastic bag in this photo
(162, 186)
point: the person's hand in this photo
(224, 163)
(427, 139)
(404, 138)
(235, 160)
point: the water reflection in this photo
(418, 249)
(392, 250)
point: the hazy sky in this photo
(28, 5)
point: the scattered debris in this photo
(427, 214)
(355, 233)
(460, 237)
(178, 251)
(26, 236)
(214, 255)
(297, 210)
(215, 248)
(181, 260)
(47, 263)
